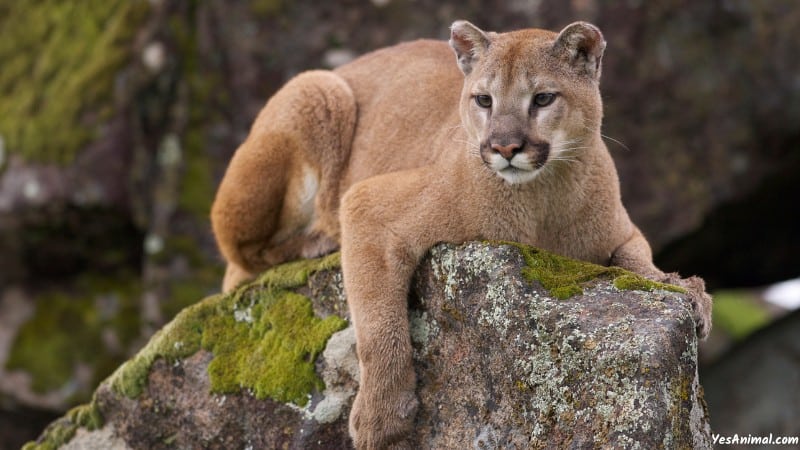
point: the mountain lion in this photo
(399, 150)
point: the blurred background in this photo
(118, 117)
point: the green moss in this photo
(263, 337)
(738, 313)
(565, 292)
(274, 355)
(197, 186)
(267, 8)
(59, 61)
(296, 273)
(197, 190)
(67, 327)
(202, 280)
(633, 282)
(3, 157)
(87, 416)
(563, 276)
(54, 436)
(206, 101)
(178, 339)
(62, 430)
(184, 293)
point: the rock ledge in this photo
(502, 362)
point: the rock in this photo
(514, 348)
(90, 141)
(754, 390)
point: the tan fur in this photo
(398, 131)
(279, 198)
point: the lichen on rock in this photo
(518, 367)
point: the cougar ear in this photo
(469, 42)
(582, 45)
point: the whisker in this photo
(458, 125)
(468, 143)
(593, 127)
(569, 150)
(615, 141)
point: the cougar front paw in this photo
(383, 423)
(701, 301)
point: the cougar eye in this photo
(543, 99)
(484, 101)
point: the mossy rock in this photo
(264, 338)
(59, 65)
(67, 330)
(563, 277)
(495, 351)
(62, 430)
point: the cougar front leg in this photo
(384, 235)
(636, 256)
(376, 281)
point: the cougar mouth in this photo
(522, 167)
(515, 173)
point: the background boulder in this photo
(755, 389)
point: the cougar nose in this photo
(509, 150)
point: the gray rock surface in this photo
(509, 366)
(500, 362)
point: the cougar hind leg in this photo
(278, 200)
(333, 126)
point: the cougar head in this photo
(530, 97)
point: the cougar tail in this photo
(282, 183)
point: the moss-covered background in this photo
(117, 119)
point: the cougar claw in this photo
(701, 301)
